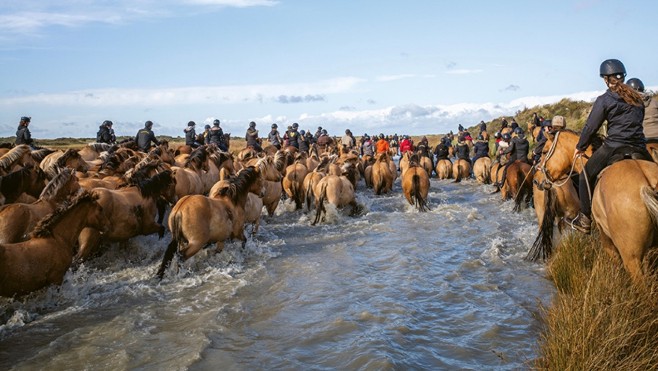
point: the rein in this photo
(559, 182)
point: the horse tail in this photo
(296, 195)
(173, 245)
(458, 176)
(542, 248)
(319, 208)
(309, 196)
(650, 199)
(421, 203)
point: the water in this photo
(391, 289)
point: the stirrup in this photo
(578, 227)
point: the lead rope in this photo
(524, 179)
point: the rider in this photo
(216, 136)
(518, 151)
(23, 135)
(367, 148)
(382, 144)
(406, 145)
(324, 139)
(442, 149)
(481, 148)
(252, 138)
(206, 132)
(317, 134)
(145, 137)
(274, 138)
(623, 109)
(461, 150)
(650, 122)
(190, 135)
(302, 140)
(105, 133)
(483, 126)
(293, 136)
(348, 140)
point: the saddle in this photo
(629, 153)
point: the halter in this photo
(562, 181)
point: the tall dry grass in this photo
(598, 319)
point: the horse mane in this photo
(414, 158)
(597, 140)
(280, 160)
(322, 166)
(198, 156)
(99, 147)
(68, 155)
(53, 187)
(13, 155)
(383, 157)
(239, 184)
(40, 154)
(153, 186)
(141, 169)
(218, 158)
(44, 227)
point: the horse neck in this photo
(69, 226)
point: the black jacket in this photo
(293, 136)
(624, 122)
(481, 148)
(518, 149)
(462, 151)
(441, 151)
(216, 136)
(105, 135)
(252, 138)
(190, 136)
(23, 135)
(144, 138)
(303, 143)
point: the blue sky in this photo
(410, 67)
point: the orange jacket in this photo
(382, 146)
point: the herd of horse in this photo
(62, 207)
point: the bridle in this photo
(548, 180)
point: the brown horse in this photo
(338, 191)
(92, 151)
(61, 159)
(382, 175)
(293, 182)
(29, 180)
(481, 170)
(624, 202)
(253, 208)
(15, 159)
(312, 179)
(19, 219)
(44, 258)
(132, 211)
(416, 184)
(461, 169)
(443, 169)
(518, 183)
(189, 179)
(196, 221)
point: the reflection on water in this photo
(391, 289)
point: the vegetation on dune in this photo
(598, 318)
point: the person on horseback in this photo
(206, 132)
(623, 109)
(348, 140)
(274, 138)
(324, 139)
(190, 135)
(650, 122)
(23, 135)
(441, 151)
(547, 126)
(302, 140)
(145, 137)
(382, 144)
(483, 126)
(317, 134)
(105, 133)
(406, 145)
(252, 138)
(481, 148)
(293, 135)
(216, 136)
(367, 148)
(518, 151)
(461, 150)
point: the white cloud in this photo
(463, 71)
(188, 95)
(386, 78)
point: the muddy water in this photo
(391, 289)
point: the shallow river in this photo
(391, 289)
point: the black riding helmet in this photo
(207, 126)
(148, 124)
(612, 67)
(107, 123)
(295, 125)
(216, 122)
(191, 123)
(252, 124)
(274, 126)
(636, 84)
(506, 136)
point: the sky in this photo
(407, 67)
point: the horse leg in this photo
(162, 205)
(166, 259)
(89, 241)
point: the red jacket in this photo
(405, 145)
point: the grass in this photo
(598, 318)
